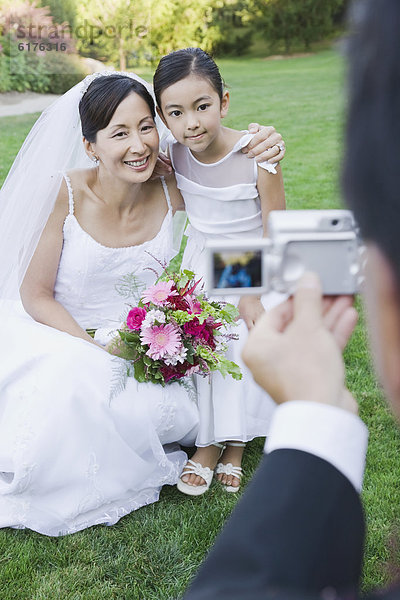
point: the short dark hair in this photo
(102, 99)
(180, 64)
(371, 172)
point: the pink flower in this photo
(162, 340)
(135, 318)
(158, 294)
(194, 305)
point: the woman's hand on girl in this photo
(163, 167)
(266, 145)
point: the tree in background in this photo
(62, 11)
(128, 33)
(215, 25)
(114, 31)
(294, 21)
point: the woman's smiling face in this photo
(128, 147)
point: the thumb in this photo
(307, 300)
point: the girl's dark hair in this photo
(103, 97)
(180, 64)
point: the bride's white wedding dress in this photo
(73, 452)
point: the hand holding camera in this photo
(295, 350)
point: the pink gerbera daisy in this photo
(162, 340)
(159, 293)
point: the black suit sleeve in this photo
(298, 529)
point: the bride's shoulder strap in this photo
(70, 194)
(166, 192)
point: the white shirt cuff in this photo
(331, 433)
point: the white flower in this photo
(151, 317)
(173, 359)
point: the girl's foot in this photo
(207, 457)
(232, 456)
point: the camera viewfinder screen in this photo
(237, 269)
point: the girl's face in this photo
(128, 147)
(192, 110)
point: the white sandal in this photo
(197, 469)
(229, 469)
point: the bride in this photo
(71, 455)
(75, 449)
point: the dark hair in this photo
(371, 172)
(103, 97)
(180, 64)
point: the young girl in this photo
(226, 195)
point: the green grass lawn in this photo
(152, 553)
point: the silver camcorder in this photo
(323, 241)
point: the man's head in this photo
(371, 185)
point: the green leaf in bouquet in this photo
(139, 369)
(147, 360)
(208, 356)
(229, 312)
(228, 367)
(182, 280)
(190, 354)
(234, 370)
(176, 261)
(209, 310)
(203, 316)
(189, 274)
(129, 336)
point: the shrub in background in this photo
(26, 62)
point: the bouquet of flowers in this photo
(175, 331)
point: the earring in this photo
(95, 159)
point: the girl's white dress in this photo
(222, 202)
(76, 449)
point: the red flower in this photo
(207, 335)
(178, 302)
(135, 318)
(169, 372)
(202, 331)
(194, 327)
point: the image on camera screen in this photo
(237, 269)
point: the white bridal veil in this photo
(54, 145)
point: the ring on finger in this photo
(281, 147)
